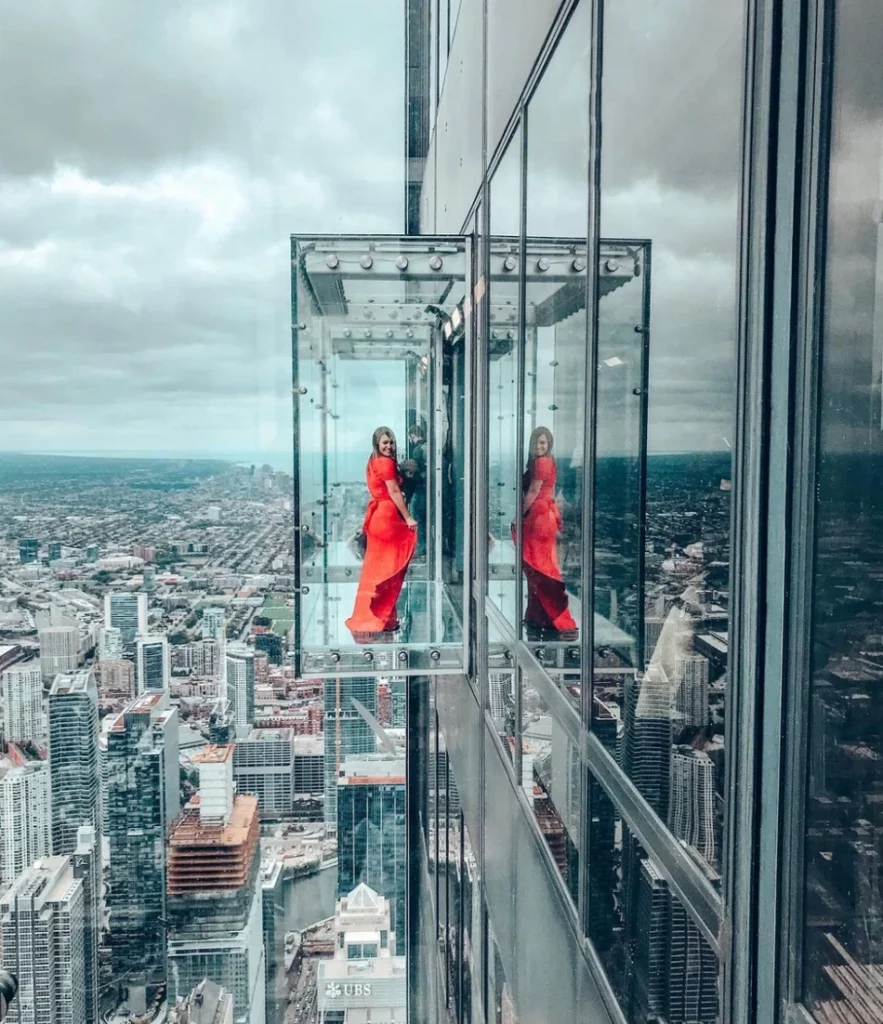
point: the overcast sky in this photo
(154, 160)
(156, 157)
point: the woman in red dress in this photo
(547, 604)
(391, 534)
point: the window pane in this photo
(555, 340)
(659, 963)
(551, 779)
(502, 348)
(670, 174)
(843, 902)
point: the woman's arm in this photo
(395, 492)
(531, 496)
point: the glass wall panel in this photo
(670, 166)
(501, 687)
(378, 321)
(551, 774)
(503, 326)
(658, 961)
(843, 898)
(554, 376)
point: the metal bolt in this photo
(639, 329)
(367, 332)
(301, 327)
(368, 656)
(403, 655)
(637, 391)
(435, 262)
(347, 332)
(543, 264)
(305, 590)
(510, 263)
(331, 261)
(335, 657)
(366, 262)
(612, 265)
(301, 390)
(435, 655)
(579, 264)
(402, 262)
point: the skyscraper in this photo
(23, 700)
(86, 862)
(263, 765)
(346, 731)
(142, 801)
(25, 818)
(691, 691)
(647, 753)
(73, 758)
(675, 968)
(691, 800)
(59, 650)
(214, 629)
(152, 666)
(240, 686)
(371, 830)
(365, 979)
(110, 646)
(273, 898)
(215, 902)
(53, 550)
(128, 613)
(41, 924)
(213, 623)
(28, 550)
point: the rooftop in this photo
(214, 754)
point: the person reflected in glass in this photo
(547, 615)
(417, 503)
(390, 532)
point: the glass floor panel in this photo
(558, 656)
(429, 640)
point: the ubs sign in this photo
(333, 990)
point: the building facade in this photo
(152, 664)
(273, 909)
(128, 614)
(215, 908)
(263, 765)
(23, 702)
(142, 797)
(41, 922)
(25, 818)
(59, 650)
(646, 243)
(347, 732)
(72, 713)
(371, 827)
(239, 667)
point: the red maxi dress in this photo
(547, 604)
(390, 546)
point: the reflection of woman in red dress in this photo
(391, 534)
(547, 604)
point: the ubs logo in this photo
(355, 988)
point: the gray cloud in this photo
(155, 160)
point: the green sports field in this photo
(281, 614)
